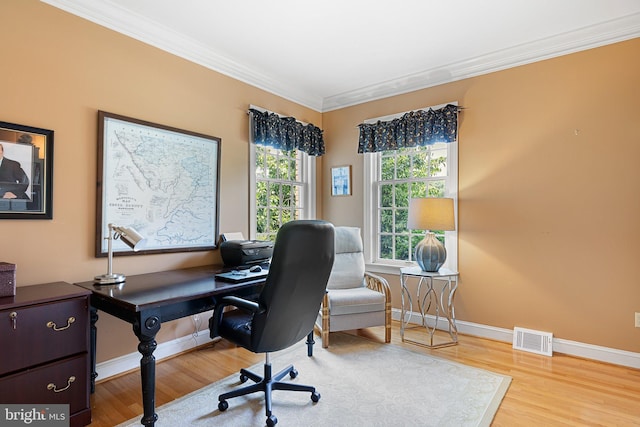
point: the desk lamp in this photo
(431, 214)
(129, 236)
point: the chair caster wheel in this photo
(223, 405)
(272, 421)
(315, 396)
(293, 373)
(243, 378)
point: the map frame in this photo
(106, 186)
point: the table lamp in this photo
(429, 214)
(129, 236)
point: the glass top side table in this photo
(432, 305)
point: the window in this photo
(282, 189)
(394, 177)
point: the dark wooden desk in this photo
(147, 300)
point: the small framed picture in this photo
(341, 181)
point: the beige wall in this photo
(549, 212)
(536, 200)
(57, 72)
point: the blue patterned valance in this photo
(415, 128)
(285, 133)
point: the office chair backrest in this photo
(302, 258)
(348, 266)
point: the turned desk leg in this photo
(146, 329)
(93, 336)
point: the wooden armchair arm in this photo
(378, 284)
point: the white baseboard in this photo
(131, 361)
(573, 348)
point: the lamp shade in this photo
(431, 213)
(130, 236)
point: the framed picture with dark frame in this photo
(341, 181)
(26, 172)
(162, 181)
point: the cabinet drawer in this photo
(36, 334)
(65, 381)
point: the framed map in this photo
(161, 181)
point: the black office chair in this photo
(286, 309)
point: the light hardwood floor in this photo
(545, 391)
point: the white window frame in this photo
(371, 203)
(308, 190)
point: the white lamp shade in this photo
(431, 213)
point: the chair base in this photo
(267, 384)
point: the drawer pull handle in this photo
(14, 319)
(53, 387)
(55, 327)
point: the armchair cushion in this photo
(348, 266)
(355, 300)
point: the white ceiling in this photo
(328, 54)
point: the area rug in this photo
(362, 383)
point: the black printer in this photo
(236, 253)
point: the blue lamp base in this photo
(430, 253)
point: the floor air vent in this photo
(533, 341)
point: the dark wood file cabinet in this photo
(44, 348)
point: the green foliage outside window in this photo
(406, 174)
(278, 190)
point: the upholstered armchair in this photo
(355, 299)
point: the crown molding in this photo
(602, 34)
(136, 26)
(116, 18)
